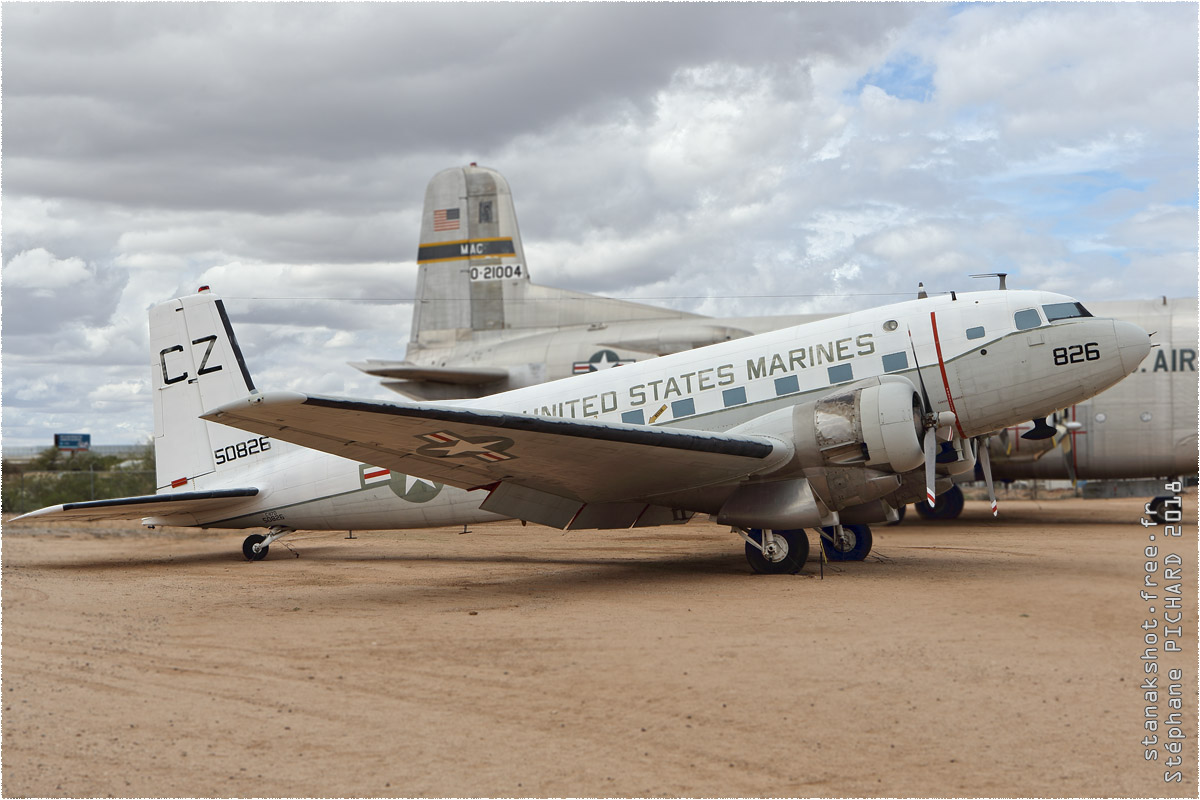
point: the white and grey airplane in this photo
(480, 325)
(824, 425)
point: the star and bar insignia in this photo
(445, 444)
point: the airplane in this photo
(481, 326)
(831, 425)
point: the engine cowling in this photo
(850, 448)
(875, 426)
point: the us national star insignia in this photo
(445, 444)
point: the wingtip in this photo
(41, 512)
(253, 399)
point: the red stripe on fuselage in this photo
(942, 366)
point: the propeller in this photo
(1062, 438)
(937, 426)
(930, 452)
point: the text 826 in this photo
(1076, 353)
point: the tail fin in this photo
(196, 365)
(472, 275)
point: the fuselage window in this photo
(1064, 311)
(894, 362)
(1026, 319)
(975, 333)
(841, 373)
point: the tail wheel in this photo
(786, 556)
(853, 545)
(250, 552)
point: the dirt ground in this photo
(977, 658)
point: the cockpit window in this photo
(1026, 319)
(1064, 311)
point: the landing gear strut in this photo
(776, 552)
(254, 548)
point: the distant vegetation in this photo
(55, 477)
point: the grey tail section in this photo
(472, 276)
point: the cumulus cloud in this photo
(38, 269)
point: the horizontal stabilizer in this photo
(579, 459)
(402, 370)
(150, 505)
(678, 337)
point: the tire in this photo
(248, 547)
(948, 505)
(1156, 509)
(794, 552)
(856, 547)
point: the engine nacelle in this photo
(875, 426)
(850, 449)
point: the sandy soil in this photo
(980, 658)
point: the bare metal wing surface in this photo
(581, 459)
(151, 505)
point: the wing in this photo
(461, 376)
(585, 460)
(150, 505)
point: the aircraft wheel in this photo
(855, 544)
(948, 505)
(790, 554)
(1156, 509)
(248, 547)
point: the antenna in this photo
(921, 293)
(1000, 275)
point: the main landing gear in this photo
(847, 542)
(776, 552)
(254, 548)
(784, 552)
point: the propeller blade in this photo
(985, 463)
(930, 453)
(920, 378)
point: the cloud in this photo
(39, 270)
(721, 158)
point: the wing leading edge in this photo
(584, 460)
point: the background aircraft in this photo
(480, 326)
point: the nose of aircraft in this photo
(1133, 344)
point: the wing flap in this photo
(583, 460)
(150, 505)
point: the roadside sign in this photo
(73, 441)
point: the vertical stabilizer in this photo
(196, 364)
(470, 253)
(472, 276)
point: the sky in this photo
(720, 159)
